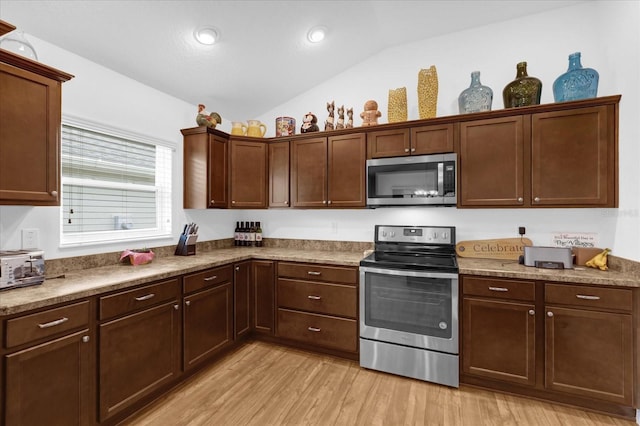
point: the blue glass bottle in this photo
(476, 97)
(576, 83)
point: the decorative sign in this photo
(574, 239)
(502, 248)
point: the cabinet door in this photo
(309, 172)
(29, 138)
(208, 323)
(388, 143)
(263, 296)
(491, 162)
(590, 354)
(573, 158)
(217, 172)
(139, 353)
(498, 340)
(241, 299)
(279, 174)
(346, 172)
(248, 174)
(432, 139)
(50, 384)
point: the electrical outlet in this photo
(521, 230)
(29, 238)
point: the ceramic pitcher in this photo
(238, 128)
(256, 128)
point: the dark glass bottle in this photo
(236, 235)
(242, 235)
(252, 234)
(523, 91)
(258, 235)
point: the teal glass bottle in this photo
(476, 97)
(577, 83)
(523, 91)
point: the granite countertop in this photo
(83, 283)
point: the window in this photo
(115, 186)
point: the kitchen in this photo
(614, 46)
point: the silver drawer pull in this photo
(145, 297)
(314, 273)
(587, 297)
(212, 277)
(498, 289)
(314, 329)
(54, 323)
(314, 297)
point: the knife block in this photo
(186, 245)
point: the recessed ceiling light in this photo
(316, 34)
(206, 35)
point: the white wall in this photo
(607, 34)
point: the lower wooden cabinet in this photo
(241, 299)
(263, 296)
(566, 342)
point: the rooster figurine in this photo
(205, 119)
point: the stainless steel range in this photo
(409, 303)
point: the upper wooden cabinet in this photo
(416, 140)
(328, 172)
(30, 117)
(279, 174)
(558, 157)
(223, 173)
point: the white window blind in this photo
(114, 187)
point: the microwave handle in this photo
(441, 178)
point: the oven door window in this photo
(409, 304)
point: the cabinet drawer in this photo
(499, 289)
(332, 299)
(141, 297)
(208, 278)
(32, 327)
(592, 297)
(313, 272)
(318, 330)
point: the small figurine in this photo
(349, 124)
(309, 123)
(340, 123)
(205, 119)
(370, 114)
(328, 125)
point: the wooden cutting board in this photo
(501, 248)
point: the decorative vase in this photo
(523, 91)
(477, 97)
(576, 83)
(427, 92)
(17, 43)
(397, 108)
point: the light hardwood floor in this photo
(266, 384)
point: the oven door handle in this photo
(408, 273)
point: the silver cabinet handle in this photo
(549, 314)
(537, 199)
(187, 302)
(498, 289)
(145, 297)
(314, 273)
(54, 193)
(587, 297)
(85, 339)
(314, 329)
(211, 278)
(53, 323)
(520, 199)
(324, 201)
(213, 201)
(314, 297)
(406, 150)
(237, 268)
(286, 202)
(413, 150)
(532, 312)
(176, 306)
(329, 202)
(233, 202)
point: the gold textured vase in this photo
(427, 92)
(397, 108)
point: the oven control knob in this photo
(444, 236)
(435, 235)
(384, 233)
(392, 233)
(442, 325)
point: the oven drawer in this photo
(332, 299)
(307, 271)
(318, 330)
(499, 288)
(590, 297)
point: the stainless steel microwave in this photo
(420, 180)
